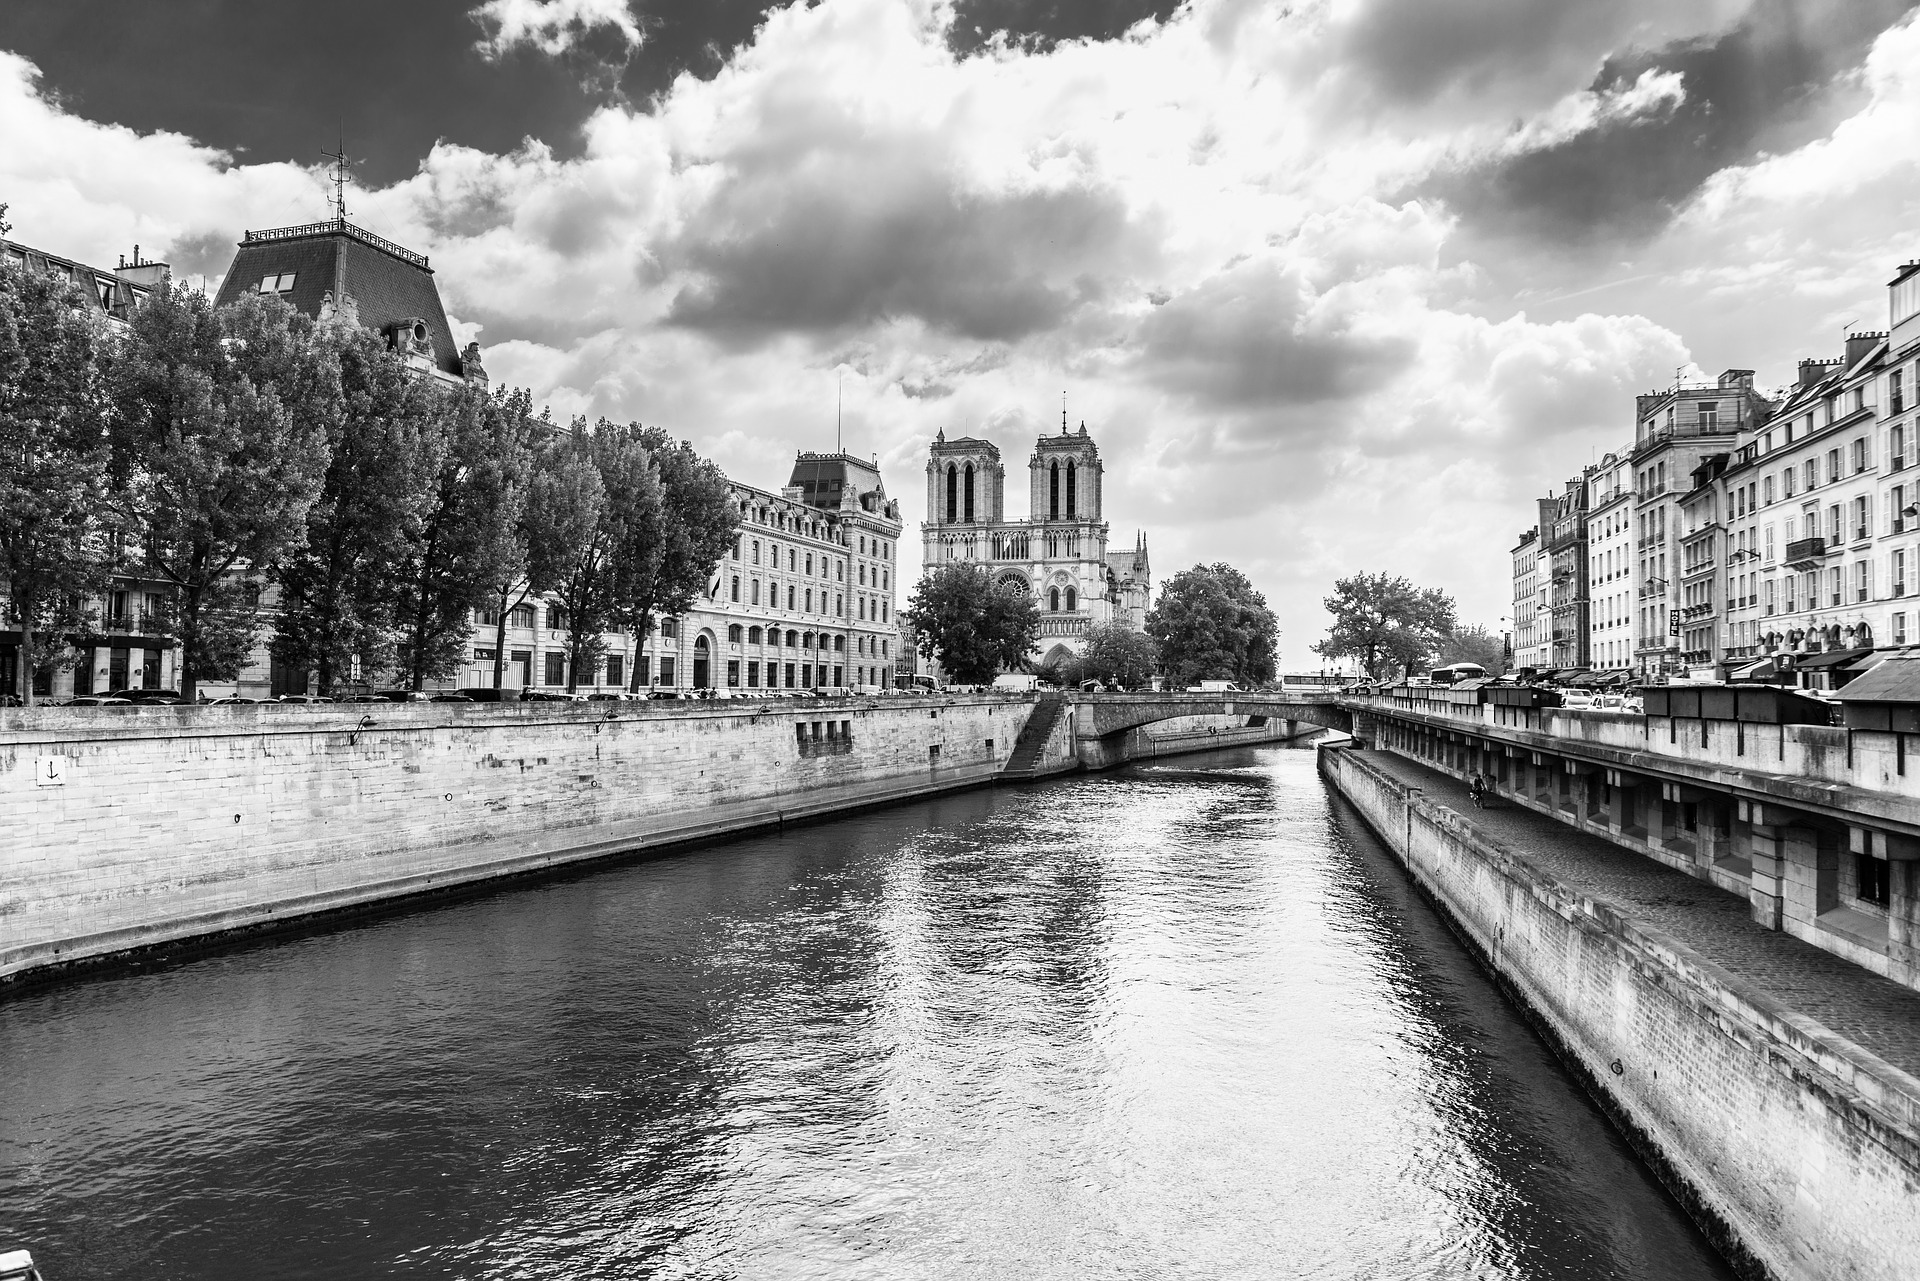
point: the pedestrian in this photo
(1477, 790)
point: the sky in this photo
(1336, 285)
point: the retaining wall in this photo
(127, 827)
(1798, 1150)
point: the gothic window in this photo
(1053, 491)
(1072, 596)
(1070, 493)
(968, 508)
(953, 486)
(1053, 599)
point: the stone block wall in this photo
(1798, 1150)
(126, 827)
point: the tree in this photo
(470, 534)
(53, 462)
(1212, 625)
(1473, 644)
(1117, 654)
(219, 440)
(565, 505)
(337, 588)
(973, 626)
(1386, 623)
(670, 550)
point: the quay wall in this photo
(1796, 1149)
(122, 828)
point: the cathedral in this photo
(1059, 552)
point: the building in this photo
(1058, 552)
(131, 643)
(1563, 540)
(324, 266)
(1610, 564)
(1529, 620)
(1674, 430)
(1702, 554)
(1824, 495)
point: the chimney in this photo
(1812, 371)
(1643, 404)
(149, 275)
(1858, 345)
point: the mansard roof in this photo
(387, 283)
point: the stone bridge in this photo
(1104, 715)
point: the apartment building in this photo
(1529, 617)
(1674, 430)
(1563, 539)
(1610, 564)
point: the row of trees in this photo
(1390, 627)
(221, 450)
(1210, 624)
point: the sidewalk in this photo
(1877, 1014)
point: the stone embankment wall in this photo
(1799, 1149)
(127, 827)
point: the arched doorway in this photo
(702, 662)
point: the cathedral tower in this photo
(966, 483)
(1065, 473)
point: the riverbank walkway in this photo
(1875, 1013)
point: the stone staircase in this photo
(1025, 760)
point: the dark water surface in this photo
(1183, 1020)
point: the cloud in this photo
(554, 27)
(1719, 100)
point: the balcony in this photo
(1806, 553)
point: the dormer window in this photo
(281, 284)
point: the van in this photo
(1215, 687)
(1016, 683)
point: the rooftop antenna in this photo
(1063, 413)
(340, 173)
(839, 399)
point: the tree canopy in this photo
(975, 628)
(1472, 644)
(1211, 624)
(54, 530)
(1386, 623)
(1117, 654)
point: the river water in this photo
(1186, 1019)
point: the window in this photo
(485, 653)
(1896, 397)
(736, 589)
(753, 673)
(1709, 415)
(1900, 628)
(1860, 509)
(556, 665)
(1860, 455)
(756, 551)
(1833, 586)
(1072, 600)
(1897, 446)
(790, 598)
(522, 616)
(1861, 581)
(1053, 599)
(1786, 483)
(755, 592)
(486, 616)
(733, 633)
(616, 670)
(1898, 565)
(666, 671)
(281, 284)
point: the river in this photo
(1184, 1019)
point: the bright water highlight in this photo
(1182, 1020)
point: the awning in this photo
(1759, 671)
(1872, 660)
(1832, 658)
(1896, 680)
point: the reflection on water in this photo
(1183, 1020)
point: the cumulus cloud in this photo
(553, 26)
(1259, 247)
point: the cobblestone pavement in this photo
(1875, 1013)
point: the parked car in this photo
(1576, 698)
(1218, 687)
(550, 696)
(403, 695)
(663, 695)
(450, 698)
(488, 694)
(158, 697)
(232, 700)
(305, 698)
(98, 700)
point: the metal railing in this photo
(336, 226)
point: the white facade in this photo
(1530, 608)
(1610, 556)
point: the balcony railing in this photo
(1806, 553)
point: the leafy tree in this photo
(1212, 625)
(53, 458)
(517, 574)
(1119, 655)
(670, 548)
(470, 536)
(337, 598)
(1472, 644)
(1386, 623)
(972, 625)
(219, 438)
